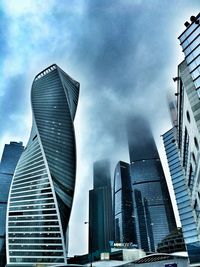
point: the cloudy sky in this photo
(124, 53)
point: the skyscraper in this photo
(100, 208)
(153, 209)
(42, 189)
(123, 211)
(10, 157)
(181, 183)
(182, 142)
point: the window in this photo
(193, 157)
(188, 116)
(185, 149)
(190, 179)
(196, 143)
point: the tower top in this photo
(140, 139)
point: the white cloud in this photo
(17, 8)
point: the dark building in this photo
(152, 204)
(42, 190)
(100, 208)
(124, 221)
(10, 157)
(174, 242)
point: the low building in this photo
(161, 260)
(118, 255)
(173, 242)
(128, 254)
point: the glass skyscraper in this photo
(10, 157)
(123, 213)
(100, 208)
(182, 142)
(42, 189)
(152, 204)
(180, 183)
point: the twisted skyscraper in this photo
(42, 189)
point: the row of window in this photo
(34, 230)
(28, 240)
(35, 235)
(35, 223)
(36, 212)
(31, 197)
(31, 180)
(31, 187)
(39, 260)
(32, 219)
(41, 190)
(30, 163)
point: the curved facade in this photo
(42, 189)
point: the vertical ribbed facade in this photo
(42, 190)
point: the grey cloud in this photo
(12, 103)
(121, 56)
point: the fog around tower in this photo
(123, 53)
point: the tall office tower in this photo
(150, 191)
(100, 208)
(123, 211)
(182, 144)
(10, 157)
(42, 189)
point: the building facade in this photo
(182, 142)
(123, 210)
(100, 208)
(190, 42)
(42, 189)
(181, 185)
(150, 192)
(10, 157)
